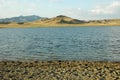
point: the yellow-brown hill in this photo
(58, 20)
(62, 21)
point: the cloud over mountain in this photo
(80, 9)
(98, 12)
(11, 8)
(113, 8)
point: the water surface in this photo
(77, 43)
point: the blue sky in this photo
(80, 9)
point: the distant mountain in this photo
(61, 19)
(21, 19)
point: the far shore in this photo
(53, 25)
(59, 21)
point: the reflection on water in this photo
(79, 43)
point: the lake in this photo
(74, 43)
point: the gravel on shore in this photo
(59, 70)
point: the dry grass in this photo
(54, 22)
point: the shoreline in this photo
(57, 25)
(59, 70)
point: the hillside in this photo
(61, 21)
(111, 22)
(20, 19)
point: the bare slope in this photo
(58, 20)
(62, 21)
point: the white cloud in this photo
(56, 1)
(10, 8)
(99, 12)
(109, 9)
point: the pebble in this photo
(59, 70)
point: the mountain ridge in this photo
(21, 19)
(60, 21)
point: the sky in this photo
(79, 9)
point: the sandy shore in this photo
(59, 70)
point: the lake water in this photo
(75, 43)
